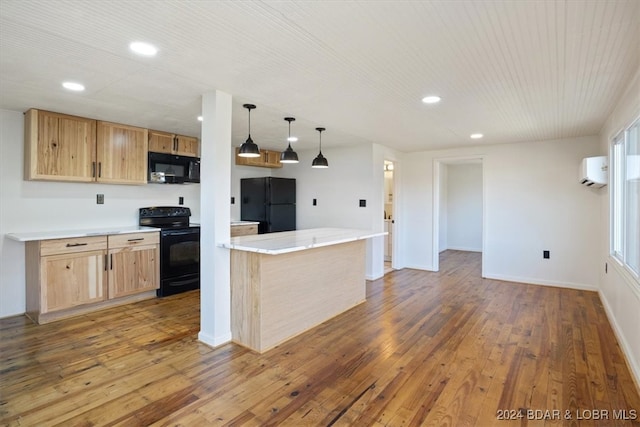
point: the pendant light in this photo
(320, 161)
(249, 148)
(288, 155)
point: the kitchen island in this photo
(283, 284)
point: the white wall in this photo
(463, 217)
(620, 293)
(336, 189)
(533, 202)
(42, 206)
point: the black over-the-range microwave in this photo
(170, 169)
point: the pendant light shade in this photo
(249, 148)
(320, 161)
(288, 155)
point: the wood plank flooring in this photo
(435, 349)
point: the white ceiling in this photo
(512, 70)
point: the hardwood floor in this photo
(442, 349)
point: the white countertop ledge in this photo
(65, 234)
(299, 240)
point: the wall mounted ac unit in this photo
(593, 171)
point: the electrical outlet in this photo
(181, 200)
(545, 254)
(100, 199)
(315, 202)
(233, 200)
(363, 203)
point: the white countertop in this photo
(64, 234)
(299, 240)
(244, 223)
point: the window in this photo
(625, 198)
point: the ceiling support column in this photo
(215, 218)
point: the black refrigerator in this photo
(269, 200)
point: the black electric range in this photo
(179, 247)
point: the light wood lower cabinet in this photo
(133, 264)
(72, 280)
(244, 229)
(66, 277)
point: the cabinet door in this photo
(250, 161)
(133, 270)
(161, 142)
(59, 147)
(73, 279)
(187, 146)
(272, 159)
(122, 154)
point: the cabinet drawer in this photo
(244, 230)
(133, 239)
(72, 245)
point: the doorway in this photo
(389, 215)
(459, 206)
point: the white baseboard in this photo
(418, 267)
(464, 248)
(376, 277)
(531, 281)
(632, 363)
(212, 341)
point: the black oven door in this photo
(179, 260)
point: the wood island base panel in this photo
(276, 297)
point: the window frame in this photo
(618, 199)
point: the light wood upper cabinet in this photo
(161, 142)
(122, 154)
(267, 159)
(187, 146)
(164, 142)
(271, 159)
(59, 147)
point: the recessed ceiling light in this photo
(476, 136)
(199, 118)
(76, 87)
(431, 99)
(142, 48)
(292, 139)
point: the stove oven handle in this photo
(178, 233)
